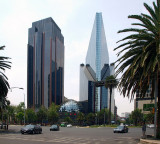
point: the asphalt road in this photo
(72, 135)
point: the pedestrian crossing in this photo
(66, 140)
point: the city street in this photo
(73, 135)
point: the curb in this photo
(145, 141)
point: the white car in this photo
(69, 125)
(150, 125)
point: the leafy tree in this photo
(140, 56)
(90, 119)
(102, 117)
(110, 83)
(5, 116)
(20, 107)
(20, 116)
(11, 113)
(129, 120)
(30, 116)
(137, 116)
(149, 117)
(42, 114)
(68, 120)
(53, 115)
(80, 118)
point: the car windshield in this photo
(120, 127)
(29, 126)
(54, 126)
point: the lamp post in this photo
(24, 99)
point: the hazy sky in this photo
(75, 19)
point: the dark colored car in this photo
(121, 129)
(31, 129)
(54, 128)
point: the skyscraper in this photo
(97, 68)
(45, 67)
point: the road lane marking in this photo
(65, 140)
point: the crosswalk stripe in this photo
(65, 140)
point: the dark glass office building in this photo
(45, 67)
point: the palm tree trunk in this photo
(110, 105)
(158, 110)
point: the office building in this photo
(145, 103)
(125, 115)
(45, 64)
(96, 68)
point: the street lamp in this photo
(24, 99)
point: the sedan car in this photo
(31, 129)
(54, 128)
(69, 125)
(121, 128)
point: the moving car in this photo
(31, 129)
(121, 128)
(54, 128)
(69, 125)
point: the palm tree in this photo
(110, 83)
(4, 85)
(140, 56)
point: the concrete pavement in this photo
(149, 141)
(99, 135)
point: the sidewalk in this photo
(10, 130)
(149, 141)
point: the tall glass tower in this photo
(45, 67)
(96, 69)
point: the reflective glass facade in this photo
(96, 69)
(45, 68)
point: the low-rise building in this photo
(145, 104)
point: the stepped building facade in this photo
(96, 68)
